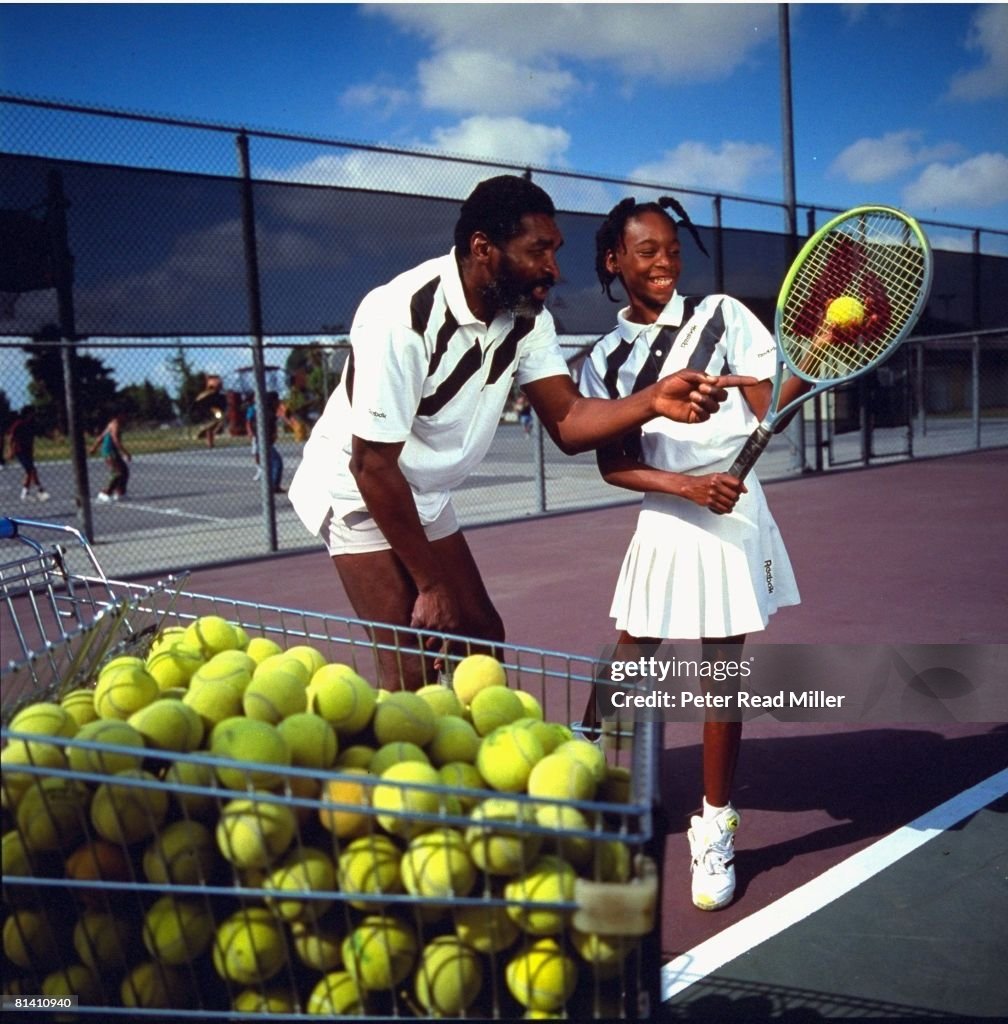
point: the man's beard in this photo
(509, 294)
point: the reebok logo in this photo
(687, 337)
(377, 414)
(768, 569)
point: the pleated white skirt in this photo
(689, 573)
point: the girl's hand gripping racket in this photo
(853, 293)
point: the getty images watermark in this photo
(805, 682)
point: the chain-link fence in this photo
(200, 279)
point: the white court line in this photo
(712, 954)
(175, 512)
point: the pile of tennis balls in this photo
(231, 761)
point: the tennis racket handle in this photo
(752, 450)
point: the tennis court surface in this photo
(872, 861)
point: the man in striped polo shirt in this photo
(434, 355)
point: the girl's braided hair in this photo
(610, 234)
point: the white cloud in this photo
(989, 35)
(872, 160)
(380, 99)
(980, 181)
(510, 139)
(728, 168)
(471, 81)
(669, 42)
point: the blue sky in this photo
(896, 103)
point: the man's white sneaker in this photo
(712, 846)
(102, 497)
(43, 495)
(25, 496)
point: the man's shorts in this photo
(357, 533)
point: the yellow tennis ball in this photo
(485, 929)
(257, 747)
(52, 814)
(184, 853)
(342, 697)
(152, 985)
(212, 634)
(274, 1001)
(213, 702)
(312, 740)
(494, 706)
(103, 941)
(448, 977)
(177, 931)
(253, 833)
(336, 995)
(499, 839)
(549, 734)
(589, 755)
(39, 754)
(846, 312)
(454, 739)
(380, 952)
(394, 753)
(399, 798)
(317, 943)
(474, 673)
(612, 861)
(357, 755)
(403, 715)
(19, 862)
(465, 782)
(262, 647)
(124, 688)
(307, 869)
(549, 880)
(605, 953)
(616, 787)
(249, 947)
(109, 733)
(507, 756)
(530, 704)
(129, 807)
(442, 700)
(560, 777)
(73, 980)
(310, 657)
(183, 776)
(274, 694)
(30, 940)
(437, 863)
(570, 832)
(79, 704)
(542, 976)
(174, 664)
(168, 724)
(370, 865)
(233, 667)
(44, 719)
(344, 803)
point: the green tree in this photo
(188, 382)
(95, 385)
(146, 403)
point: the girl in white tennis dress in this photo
(706, 561)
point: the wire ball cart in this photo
(210, 813)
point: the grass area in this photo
(142, 440)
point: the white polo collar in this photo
(670, 316)
(451, 280)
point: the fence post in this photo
(63, 271)
(539, 462)
(719, 273)
(975, 389)
(255, 326)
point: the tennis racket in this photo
(853, 293)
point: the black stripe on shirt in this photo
(444, 336)
(712, 333)
(504, 356)
(421, 305)
(465, 368)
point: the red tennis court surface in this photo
(908, 553)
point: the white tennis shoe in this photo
(712, 846)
